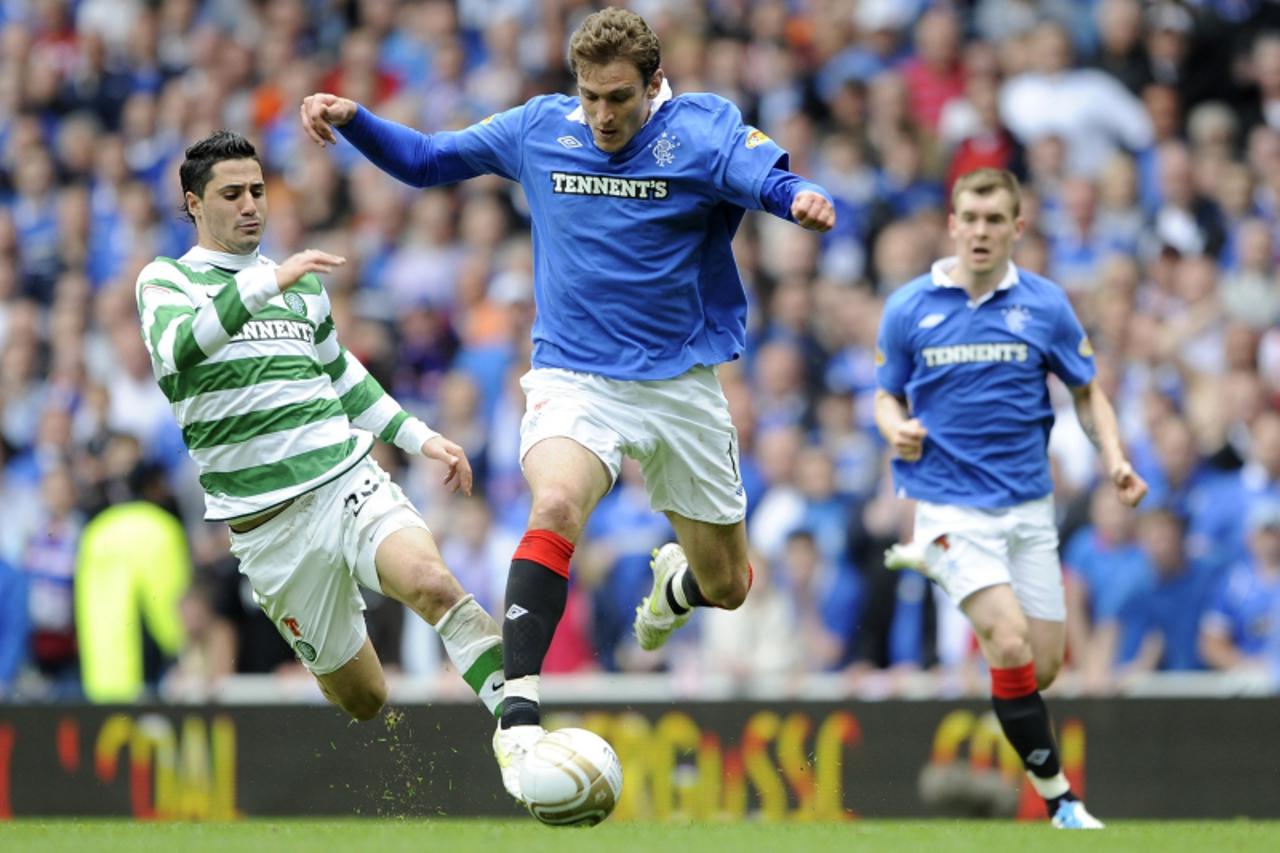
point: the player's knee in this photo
(365, 704)
(728, 591)
(557, 510)
(1046, 672)
(1008, 646)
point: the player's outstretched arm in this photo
(1098, 420)
(408, 155)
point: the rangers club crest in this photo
(1016, 318)
(664, 150)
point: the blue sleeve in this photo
(741, 158)
(423, 160)
(893, 351)
(780, 189)
(1070, 353)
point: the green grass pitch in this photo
(488, 836)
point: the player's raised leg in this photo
(566, 481)
(1005, 638)
(412, 571)
(707, 568)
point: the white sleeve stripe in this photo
(328, 349)
(351, 377)
(168, 339)
(377, 416)
(208, 331)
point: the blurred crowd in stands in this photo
(1147, 135)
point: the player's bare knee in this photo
(366, 703)
(557, 510)
(1008, 646)
(727, 591)
(1046, 672)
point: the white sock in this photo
(677, 590)
(473, 642)
(524, 687)
(1054, 786)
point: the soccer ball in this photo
(571, 777)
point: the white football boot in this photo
(510, 746)
(654, 618)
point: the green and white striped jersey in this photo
(270, 405)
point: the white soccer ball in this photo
(571, 777)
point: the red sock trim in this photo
(546, 549)
(1014, 682)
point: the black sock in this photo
(1025, 721)
(692, 594)
(536, 596)
(1052, 803)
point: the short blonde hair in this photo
(985, 182)
(613, 34)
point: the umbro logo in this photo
(1038, 757)
(932, 320)
(515, 611)
(569, 141)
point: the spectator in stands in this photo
(132, 569)
(1092, 112)
(1240, 623)
(49, 561)
(1105, 569)
(1160, 625)
(14, 631)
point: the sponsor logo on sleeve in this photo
(757, 138)
(1085, 348)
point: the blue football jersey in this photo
(974, 375)
(634, 274)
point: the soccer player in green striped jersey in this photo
(279, 419)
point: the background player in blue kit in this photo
(635, 196)
(962, 362)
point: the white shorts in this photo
(968, 549)
(304, 564)
(678, 429)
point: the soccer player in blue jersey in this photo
(962, 361)
(635, 196)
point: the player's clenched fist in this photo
(812, 210)
(1129, 485)
(322, 112)
(908, 439)
(312, 260)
